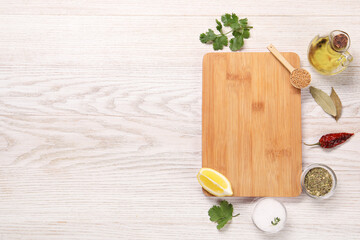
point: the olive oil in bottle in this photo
(323, 57)
(328, 54)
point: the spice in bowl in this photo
(318, 181)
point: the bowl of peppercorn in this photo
(318, 181)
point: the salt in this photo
(266, 211)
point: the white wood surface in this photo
(100, 118)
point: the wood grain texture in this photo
(100, 118)
(250, 114)
(175, 8)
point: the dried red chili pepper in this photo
(331, 140)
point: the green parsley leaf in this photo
(234, 17)
(236, 34)
(236, 43)
(221, 214)
(226, 19)
(276, 221)
(246, 33)
(221, 223)
(239, 29)
(235, 22)
(219, 26)
(208, 37)
(220, 42)
(231, 21)
(244, 22)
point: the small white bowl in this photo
(265, 211)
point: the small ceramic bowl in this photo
(332, 173)
(265, 211)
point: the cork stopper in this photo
(340, 41)
(300, 78)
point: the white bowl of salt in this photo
(269, 215)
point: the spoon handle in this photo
(279, 57)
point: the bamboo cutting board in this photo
(251, 122)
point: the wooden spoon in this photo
(299, 78)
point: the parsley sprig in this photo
(276, 221)
(239, 29)
(221, 214)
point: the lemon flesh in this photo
(214, 182)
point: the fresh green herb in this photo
(276, 221)
(239, 30)
(221, 214)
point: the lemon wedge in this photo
(214, 182)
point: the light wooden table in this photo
(100, 117)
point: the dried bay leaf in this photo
(337, 103)
(324, 101)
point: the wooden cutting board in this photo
(251, 123)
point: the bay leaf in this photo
(337, 103)
(324, 101)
